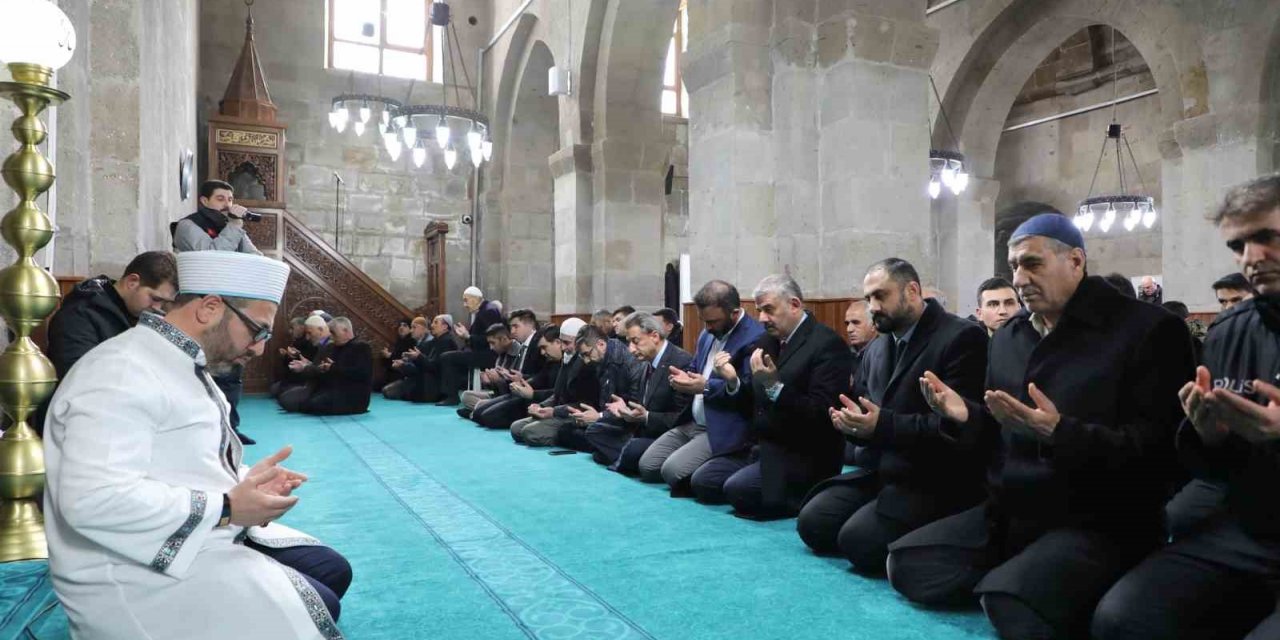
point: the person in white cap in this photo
(455, 367)
(156, 528)
(575, 383)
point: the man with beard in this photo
(421, 364)
(1222, 579)
(576, 383)
(1077, 422)
(618, 375)
(797, 373)
(997, 302)
(152, 519)
(912, 474)
(720, 426)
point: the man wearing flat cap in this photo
(1078, 421)
(156, 528)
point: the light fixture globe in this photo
(946, 169)
(36, 38)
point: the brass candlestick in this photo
(28, 294)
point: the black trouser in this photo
(1197, 502)
(1215, 583)
(500, 413)
(847, 519)
(323, 403)
(456, 366)
(572, 435)
(707, 482)
(325, 569)
(1034, 581)
(231, 382)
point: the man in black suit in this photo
(500, 412)
(456, 367)
(798, 448)
(1077, 423)
(628, 428)
(340, 381)
(914, 475)
(421, 364)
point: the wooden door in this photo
(433, 253)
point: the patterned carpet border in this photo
(541, 599)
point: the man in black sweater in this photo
(1222, 579)
(1078, 422)
(456, 367)
(340, 380)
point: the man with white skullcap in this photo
(156, 528)
(576, 383)
(456, 367)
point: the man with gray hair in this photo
(475, 353)
(341, 379)
(1077, 423)
(798, 371)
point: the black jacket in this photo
(350, 377)
(619, 373)
(90, 314)
(487, 316)
(798, 445)
(1112, 366)
(908, 448)
(1242, 347)
(575, 383)
(665, 405)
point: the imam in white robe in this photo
(139, 452)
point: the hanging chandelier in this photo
(946, 168)
(405, 125)
(1129, 209)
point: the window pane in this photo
(407, 23)
(355, 56)
(357, 21)
(437, 54)
(669, 102)
(684, 28)
(669, 69)
(404, 65)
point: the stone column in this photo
(809, 140)
(627, 217)
(571, 173)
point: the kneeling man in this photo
(156, 529)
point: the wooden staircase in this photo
(320, 278)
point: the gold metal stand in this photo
(28, 294)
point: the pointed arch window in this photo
(675, 100)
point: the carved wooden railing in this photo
(321, 278)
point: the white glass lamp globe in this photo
(35, 32)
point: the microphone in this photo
(339, 178)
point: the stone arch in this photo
(520, 239)
(993, 71)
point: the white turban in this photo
(473, 292)
(232, 274)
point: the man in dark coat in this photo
(618, 373)
(627, 428)
(798, 447)
(915, 475)
(101, 308)
(456, 367)
(500, 412)
(421, 366)
(1222, 579)
(390, 355)
(695, 458)
(340, 381)
(576, 383)
(1078, 420)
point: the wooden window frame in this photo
(383, 45)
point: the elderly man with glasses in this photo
(340, 379)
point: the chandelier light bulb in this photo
(442, 133)
(1149, 218)
(1130, 221)
(340, 123)
(386, 118)
(419, 156)
(341, 116)
(486, 148)
(961, 183)
(949, 177)
(394, 149)
(390, 141)
(365, 112)
(1108, 219)
(474, 139)
(359, 127)
(333, 119)
(477, 157)
(450, 157)
(935, 189)
(409, 134)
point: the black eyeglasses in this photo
(260, 333)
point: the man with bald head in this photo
(1077, 423)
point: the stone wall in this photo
(386, 204)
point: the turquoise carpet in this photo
(455, 532)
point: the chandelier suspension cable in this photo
(942, 110)
(457, 95)
(1115, 80)
(1136, 170)
(463, 63)
(1102, 153)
